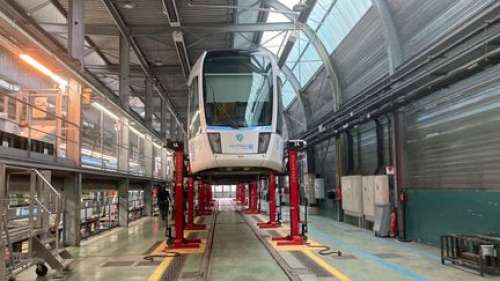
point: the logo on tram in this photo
(239, 137)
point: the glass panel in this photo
(332, 24)
(238, 89)
(288, 94)
(110, 143)
(91, 153)
(340, 21)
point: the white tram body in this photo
(234, 115)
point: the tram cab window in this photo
(238, 90)
(194, 108)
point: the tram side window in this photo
(279, 120)
(194, 108)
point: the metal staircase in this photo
(39, 230)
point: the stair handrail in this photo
(39, 174)
(58, 206)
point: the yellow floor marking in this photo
(160, 270)
(339, 275)
(160, 250)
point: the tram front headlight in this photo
(215, 143)
(264, 142)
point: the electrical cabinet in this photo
(319, 188)
(369, 197)
(352, 195)
(381, 183)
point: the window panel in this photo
(288, 94)
(332, 25)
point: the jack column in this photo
(190, 222)
(272, 205)
(253, 198)
(295, 238)
(180, 242)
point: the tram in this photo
(234, 114)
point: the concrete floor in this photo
(238, 255)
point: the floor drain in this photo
(387, 255)
(301, 271)
(148, 263)
(311, 265)
(190, 275)
(118, 263)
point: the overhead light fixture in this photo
(157, 145)
(299, 7)
(99, 106)
(40, 67)
(129, 4)
(134, 130)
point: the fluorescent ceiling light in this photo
(157, 145)
(98, 106)
(136, 132)
(40, 67)
(128, 4)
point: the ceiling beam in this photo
(159, 29)
(126, 33)
(135, 70)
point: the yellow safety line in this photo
(160, 270)
(339, 275)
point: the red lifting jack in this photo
(190, 221)
(242, 197)
(252, 204)
(294, 238)
(272, 205)
(180, 242)
(202, 200)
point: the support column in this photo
(123, 187)
(398, 165)
(76, 30)
(148, 103)
(190, 220)
(180, 241)
(272, 205)
(124, 71)
(148, 199)
(295, 238)
(72, 214)
(165, 121)
(3, 195)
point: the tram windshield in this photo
(238, 89)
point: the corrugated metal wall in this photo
(422, 22)
(324, 162)
(318, 97)
(452, 136)
(361, 58)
